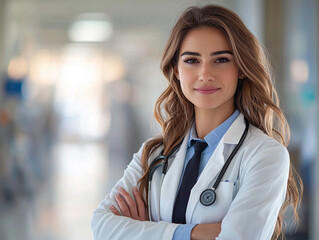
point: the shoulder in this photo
(261, 150)
(258, 140)
(154, 153)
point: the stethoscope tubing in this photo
(208, 196)
(153, 167)
(231, 156)
(164, 162)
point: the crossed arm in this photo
(136, 209)
(264, 176)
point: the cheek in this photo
(184, 86)
(230, 78)
(231, 83)
(187, 71)
(187, 78)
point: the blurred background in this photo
(79, 80)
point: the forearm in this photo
(206, 231)
(106, 225)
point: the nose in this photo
(206, 73)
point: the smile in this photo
(206, 90)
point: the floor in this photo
(62, 208)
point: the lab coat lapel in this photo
(215, 164)
(210, 171)
(171, 181)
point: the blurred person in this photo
(220, 169)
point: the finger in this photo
(130, 203)
(122, 205)
(139, 203)
(115, 211)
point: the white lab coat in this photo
(248, 200)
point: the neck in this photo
(207, 120)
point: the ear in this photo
(176, 72)
(241, 76)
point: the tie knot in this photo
(199, 146)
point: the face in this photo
(207, 70)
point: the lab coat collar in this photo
(214, 164)
(219, 132)
(171, 181)
(213, 167)
(235, 131)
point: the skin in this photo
(208, 76)
(135, 208)
(206, 61)
(130, 207)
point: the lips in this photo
(207, 90)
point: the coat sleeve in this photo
(106, 225)
(262, 190)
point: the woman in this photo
(220, 97)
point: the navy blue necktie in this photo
(189, 180)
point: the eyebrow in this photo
(212, 54)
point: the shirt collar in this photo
(215, 135)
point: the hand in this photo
(132, 208)
(206, 231)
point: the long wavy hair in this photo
(255, 97)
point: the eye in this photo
(191, 60)
(222, 60)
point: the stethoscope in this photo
(208, 196)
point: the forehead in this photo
(205, 39)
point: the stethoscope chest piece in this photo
(208, 197)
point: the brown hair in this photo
(255, 97)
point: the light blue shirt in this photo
(183, 231)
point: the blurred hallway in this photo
(63, 207)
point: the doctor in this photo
(221, 168)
